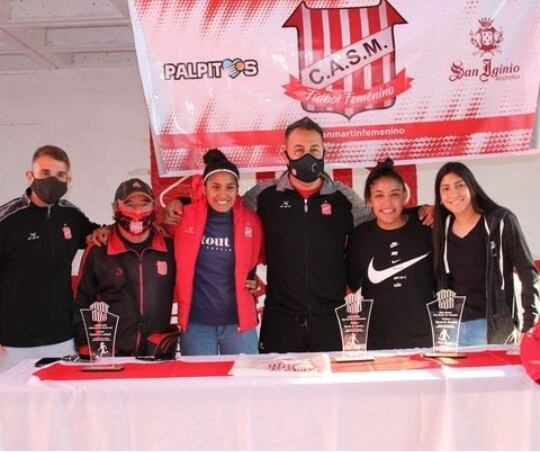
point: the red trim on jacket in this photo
(115, 244)
(248, 239)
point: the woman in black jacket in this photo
(477, 247)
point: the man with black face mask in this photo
(39, 236)
(134, 274)
(306, 218)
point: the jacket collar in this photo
(116, 245)
(328, 187)
(495, 217)
(27, 200)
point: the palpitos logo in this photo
(346, 58)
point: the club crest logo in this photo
(161, 267)
(487, 38)
(346, 58)
(99, 310)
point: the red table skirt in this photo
(174, 369)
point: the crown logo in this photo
(486, 39)
(485, 22)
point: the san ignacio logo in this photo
(486, 40)
(346, 59)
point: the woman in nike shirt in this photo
(477, 247)
(390, 260)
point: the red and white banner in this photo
(410, 79)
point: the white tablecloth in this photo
(473, 408)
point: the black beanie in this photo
(216, 161)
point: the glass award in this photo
(514, 340)
(445, 314)
(100, 327)
(353, 320)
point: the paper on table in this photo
(286, 365)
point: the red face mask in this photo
(136, 223)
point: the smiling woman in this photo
(478, 245)
(389, 260)
(218, 243)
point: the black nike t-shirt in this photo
(467, 262)
(394, 268)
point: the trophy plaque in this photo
(100, 327)
(445, 314)
(353, 319)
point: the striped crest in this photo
(346, 59)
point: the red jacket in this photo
(248, 239)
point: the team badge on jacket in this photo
(66, 230)
(161, 267)
(326, 208)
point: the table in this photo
(473, 408)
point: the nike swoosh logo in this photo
(378, 276)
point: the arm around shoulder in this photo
(361, 213)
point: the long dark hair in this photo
(481, 203)
(383, 169)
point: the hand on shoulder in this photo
(99, 236)
(172, 214)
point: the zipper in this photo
(51, 232)
(306, 259)
(141, 298)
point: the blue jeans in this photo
(473, 332)
(217, 340)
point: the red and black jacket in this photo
(150, 278)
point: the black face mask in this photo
(49, 189)
(307, 168)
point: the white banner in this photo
(409, 79)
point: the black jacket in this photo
(142, 298)
(506, 252)
(37, 246)
(305, 242)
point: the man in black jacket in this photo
(306, 218)
(134, 274)
(39, 236)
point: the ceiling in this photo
(64, 34)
